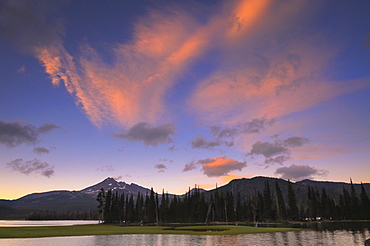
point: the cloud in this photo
(27, 24)
(278, 159)
(253, 126)
(34, 166)
(105, 168)
(161, 167)
(216, 167)
(190, 166)
(268, 149)
(22, 69)
(271, 75)
(41, 150)
(295, 141)
(16, 133)
(47, 127)
(201, 143)
(148, 134)
(132, 89)
(299, 172)
(172, 148)
(277, 151)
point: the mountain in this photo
(247, 187)
(64, 200)
(85, 199)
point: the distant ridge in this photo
(85, 199)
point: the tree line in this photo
(262, 206)
(65, 215)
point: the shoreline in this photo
(102, 229)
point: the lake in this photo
(328, 234)
(19, 223)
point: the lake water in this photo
(331, 236)
(19, 223)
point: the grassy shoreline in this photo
(101, 229)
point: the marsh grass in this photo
(86, 230)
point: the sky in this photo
(172, 94)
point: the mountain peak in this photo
(112, 184)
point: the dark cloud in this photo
(144, 132)
(277, 151)
(189, 167)
(254, 126)
(268, 149)
(199, 142)
(295, 141)
(160, 167)
(299, 172)
(41, 150)
(27, 24)
(47, 127)
(278, 159)
(34, 166)
(15, 133)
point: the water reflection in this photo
(303, 238)
(19, 223)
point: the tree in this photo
(101, 202)
(293, 212)
(365, 203)
(281, 209)
(355, 204)
(268, 210)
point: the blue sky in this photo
(168, 94)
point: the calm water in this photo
(332, 234)
(19, 223)
(337, 238)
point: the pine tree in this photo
(101, 203)
(365, 203)
(355, 204)
(268, 210)
(347, 208)
(107, 208)
(325, 205)
(293, 212)
(281, 209)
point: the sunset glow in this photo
(169, 94)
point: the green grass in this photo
(84, 230)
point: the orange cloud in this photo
(272, 84)
(132, 89)
(220, 166)
(246, 14)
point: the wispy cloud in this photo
(34, 166)
(148, 134)
(299, 172)
(253, 126)
(105, 168)
(15, 133)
